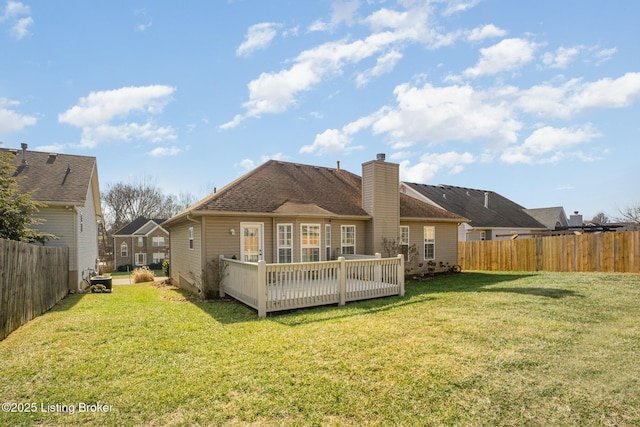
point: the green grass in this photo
(470, 349)
(124, 274)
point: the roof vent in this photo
(381, 157)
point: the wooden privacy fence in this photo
(32, 280)
(605, 252)
(273, 287)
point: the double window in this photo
(285, 243)
(348, 239)
(429, 242)
(309, 242)
(157, 241)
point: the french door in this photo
(252, 241)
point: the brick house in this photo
(141, 242)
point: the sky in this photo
(538, 101)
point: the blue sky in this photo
(536, 100)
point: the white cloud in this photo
(11, 120)
(549, 144)
(258, 37)
(249, 164)
(165, 151)
(574, 96)
(275, 92)
(103, 106)
(482, 33)
(455, 6)
(96, 113)
(18, 16)
(143, 27)
(438, 114)
(385, 64)
(605, 55)
(432, 163)
(343, 12)
(329, 142)
(507, 55)
(561, 57)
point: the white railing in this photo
(239, 281)
(273, 287)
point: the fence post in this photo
(221, 272)
(262, 288)
(342, 280)
(377, 271)
(401, 274)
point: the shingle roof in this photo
(54, 178)
(469, 203)
(136, 225)
(292, 188)
(549, 216)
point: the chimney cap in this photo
(381, 157)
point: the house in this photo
(492, 216)
(68, 184)
(285, 212)
(141, 242)
(553, 218)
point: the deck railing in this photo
(273, 287)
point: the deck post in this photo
(221, 269)
(377, 270)
(262, 288)
(342, 280)
(401, 274)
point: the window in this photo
(124, 250)
(310, 242)
(429, 242)
(348, 239)
(327, 241)
(191, 245)
(81, 223)
(285, 243)
(483, 235)
(403, 244)
(158, 257)
(157, 241)
(140, 242)
(141, 258)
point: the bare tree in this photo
(124, 202)
(600, 218)
(630, 214)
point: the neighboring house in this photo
(553, 218)
(286, 212)
(492, 216)
(141, 242)
(68, 184)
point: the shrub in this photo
(143, 274)
(165, 267)
(155, 266)
(125, 267)
(97, 289)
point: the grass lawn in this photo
(479, 349)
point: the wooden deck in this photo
(274, 287)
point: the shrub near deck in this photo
(472, 348)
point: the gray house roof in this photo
(499, 211)
(550, 217)
(56, 179)
(139, 226)
(278, 187)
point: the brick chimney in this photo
(381, 200)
